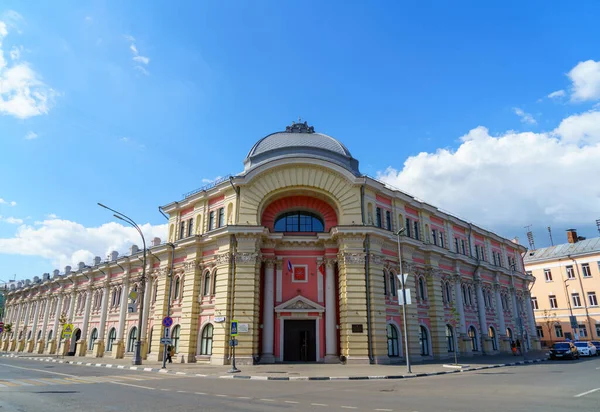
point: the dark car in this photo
(597, 345)
(562, 350)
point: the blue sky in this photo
(134, 103)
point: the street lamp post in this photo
(137, 358)
(164, 365)
(405, 325)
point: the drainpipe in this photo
(232, 280)
(362, 201)
(237, 199)
(368, 292)
(587, 313)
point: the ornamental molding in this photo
(376, 259)
(223, 258)
(246, 257)
(330, 262)
(299, 128)
(269, 262)
(352, 258)
(299, 304)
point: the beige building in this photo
(565, 294)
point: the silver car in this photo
(586, 349)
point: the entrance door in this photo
(74, 339)
(299, 341)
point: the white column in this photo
(330, 312)
(36, 315)
(458, 298)
(123, 313)
(18, 321)
(147, 295)
(26, 322)
(46, 317)
(103, 313)
(481, 310)
(72, 302)
(278, 285)
(55, 332)
(268, 313)
(86, 313)
(499, 311)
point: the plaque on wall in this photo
(357, 328)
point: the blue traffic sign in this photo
(234, 328)
(167, 322)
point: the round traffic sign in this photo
(167, 322)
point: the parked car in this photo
(586, 349)
(562, 350)
(596, 343)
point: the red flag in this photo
(322, 268)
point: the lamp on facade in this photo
(137, 357)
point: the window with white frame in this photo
(598, 330)
(587, 273)
(592, 299)
(388, 220)
(576, 300)
(540, 331)
(378, 217)
(558, 331)
(582, 331)
(548, 275)
(553, 303)
(534, 303)
(570, 272)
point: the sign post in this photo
(166, 339)
(233, 343)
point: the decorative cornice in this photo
(223, 258)
(246, 257)
(376, 259)
(351, 258)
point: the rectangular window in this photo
(463, 247)
(477, 252)
(548, 275)
(576, 300)
(482, 252)
(598, 330)
(441, 239)
(388, 220)
(190, 227)
(558, 331)
(570, 272)
(434, 237)
(221, 222)
(592, 299)
(456, 244)
(416, 224)
(587, 273)
(378, 217)
(582, 331)
(211, 220)
(553, 303)
(534, 303)
(540, 331)
(407, 226)
(181, 230)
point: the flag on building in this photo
(290, 267)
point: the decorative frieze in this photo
(352, 258)
(246, 257)
(223, 258)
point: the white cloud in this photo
(6, 202)
(586, 81)
(22, 92)
(15, 52)
(525, 117)
(556, 94)
(31, 136)
(64, 242)
(142, 60)
(11, 220)
(51, 216)
(512, 178)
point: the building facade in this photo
(302, 250)
(565, 293)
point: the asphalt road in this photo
(31, 386)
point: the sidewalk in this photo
(288, 372)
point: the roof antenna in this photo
(530, 237)
(550, 234)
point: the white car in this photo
(586, 349)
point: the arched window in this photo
(393, 287)
(155, 294)
(424, 341)
(422, 289)
(299, 222)
(112, 335)
(450, 338)
(448, 292)
(473, 336)
(176, 288)
(114, 297)
(206, 290)
(131, 340)
(150, 340)
(39, 335)
(464, 293)
(175, 338)
(509, 334)
(492, 335)
(93, 338)
(29, 335)
(49, 339)
(385, 283)
(213, 287)
(392, 339)
(207, 340)
(470, 295)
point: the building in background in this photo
(567, 285)
(302, 250)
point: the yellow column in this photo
(191, 310)
(220, 349)
(379, 347)
(437, 318)
(160, 310)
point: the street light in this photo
(406, 352)
(137, 357)
(164, 365)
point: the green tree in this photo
(549, 319)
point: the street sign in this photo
(1, 329)
(219, 319)
(166, 332)
(167, 322)
(243, 327)
(234, 328)
(400, 297)
(405, 276)
(67, 331)
(166, 341)
(133, 295)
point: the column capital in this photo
(269, 262)
(330, 262)
(279, 263)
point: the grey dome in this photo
(300, 141)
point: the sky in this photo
(490, 111)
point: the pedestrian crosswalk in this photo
(13, 383)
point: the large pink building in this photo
(302, 250)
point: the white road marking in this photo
(586, 393)
(220, 396)
(319, 404)
(165, 390)
(291, 402)
(384, 410)
(244, 397)
(267, 400)
(40, 370)
(182, 392)
(135, 386)
(199, 393)
(348, 407)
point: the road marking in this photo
(182, 391)
(319, 404)
(586, 393)
(384, 410)
(291, 402)
(220, 396)
(39, 370)
(135, 386)
(199, 393)
(348, 407)
(244, 397)
(267, 400)
(165, 390)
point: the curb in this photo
(277, 378)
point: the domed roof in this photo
(297, 141)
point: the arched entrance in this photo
(74, 339)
